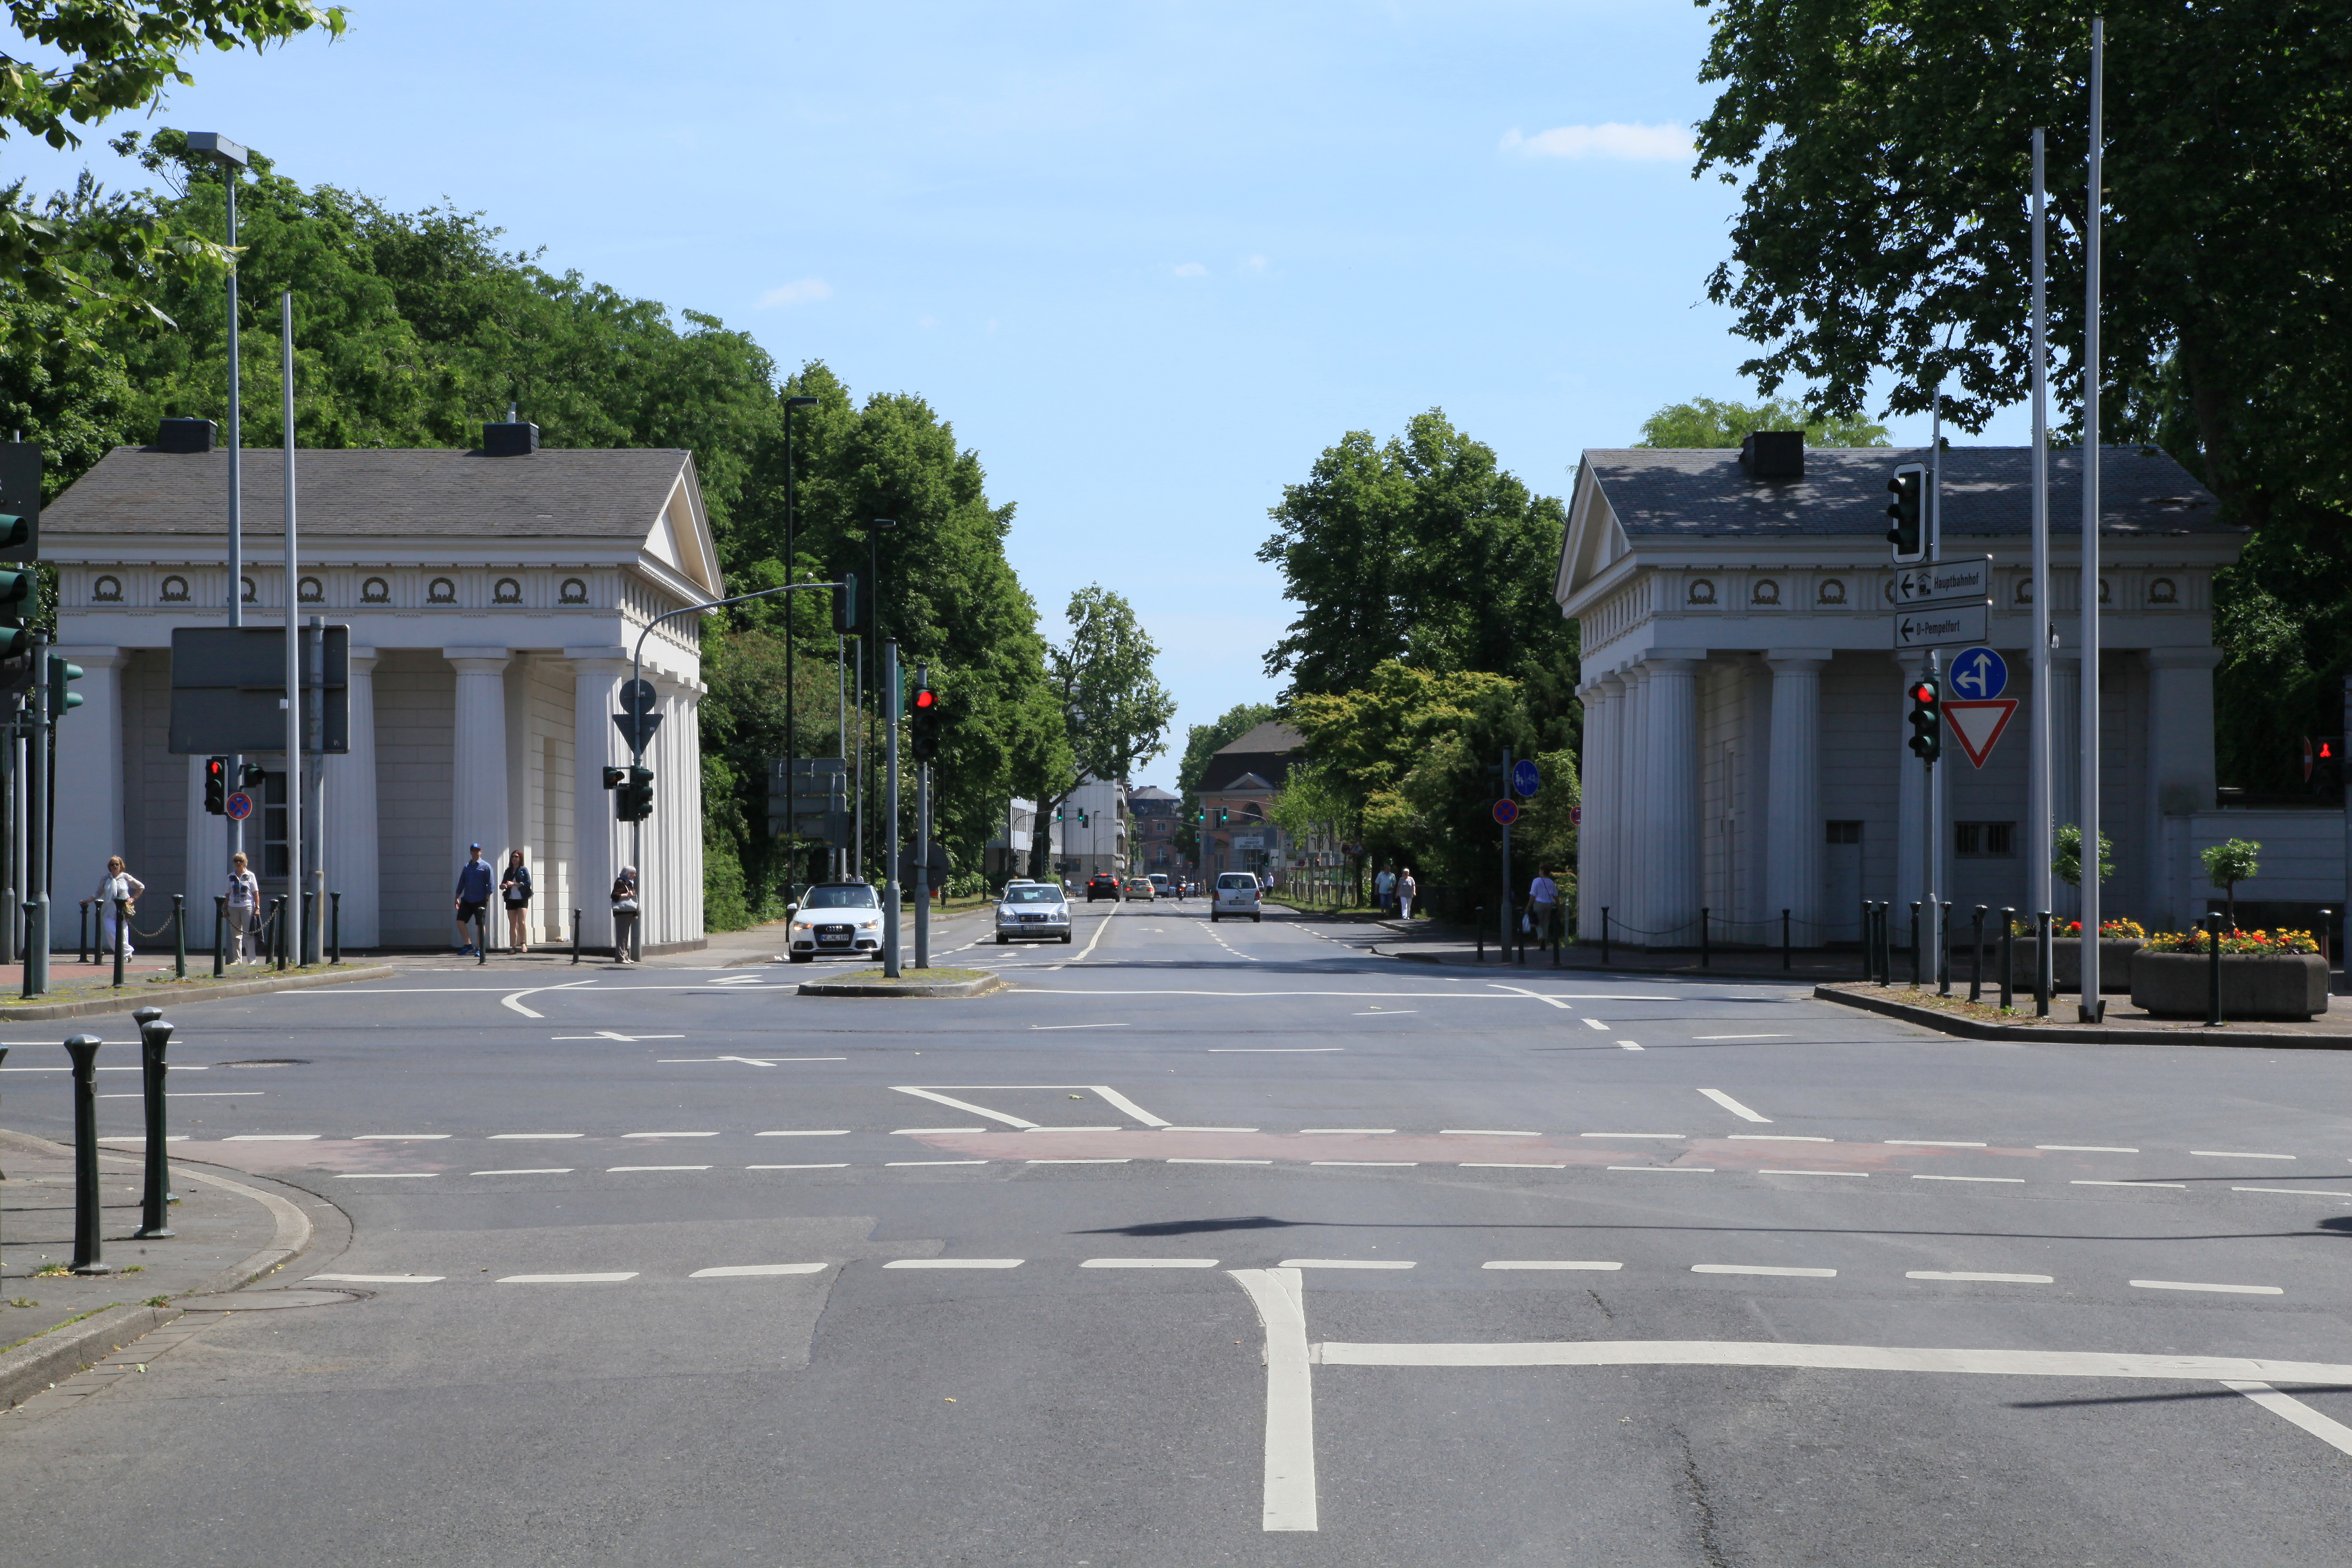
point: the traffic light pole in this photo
(889, 695)
(923, 849)
(1930, 862)
(36, 816)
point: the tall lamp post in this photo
(792, 735)
(231, 157)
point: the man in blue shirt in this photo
(473, 898)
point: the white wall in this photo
(415, 703)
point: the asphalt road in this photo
(1232, 1245)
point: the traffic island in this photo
(90, 998)
(913, 983)
(1980, 1021)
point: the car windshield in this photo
(1236, 879)
(856, 897)
(1032, 894)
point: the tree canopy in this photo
(1705, 422)
(1112, 712)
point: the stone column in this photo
(600, 845)
(2180, 774)
(1632, 820)
(477, 807)
(352, 845)
(1793, 822)
(1604, 704)
(1672, 848)
(90, 787)
(2065, 767)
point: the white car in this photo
(1033, 909)
(835, 917)
(1236, 895)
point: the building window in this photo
(575, 592)
(107, 591)
(1984, 840)
(1846, 833)
(508, 592)
(375, 590)
(443, 592)
(175, 591)
(1832, 592)
(312, 591)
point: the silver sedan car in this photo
(1033, 909)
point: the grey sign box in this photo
(1944, 582)
(1944, 625)
(229, 691)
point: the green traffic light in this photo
(62, 700)
(17, 587)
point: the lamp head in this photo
(215, 145)
(800, 403)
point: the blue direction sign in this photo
(1978, 674)
(1524, 777)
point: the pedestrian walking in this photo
(244, 906)
(516, 890)
(1385, 890)
(1407, 891)
(1543, 909)
(625, 912)
(118, 883)
(473, 898)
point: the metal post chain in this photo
(220, 934)
(89, 1246)
(156, 1201)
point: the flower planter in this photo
(2254, 985)
(2066, 962)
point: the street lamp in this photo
(231, 157)
(792, 735)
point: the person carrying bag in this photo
(625, 912)
(516, 891)
(117, 884)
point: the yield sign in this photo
(1978, 722)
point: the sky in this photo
(1149, 259)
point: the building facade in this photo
(1744, 735)
(1153, 817)
(1091, 837)
(1236, 793)
(494, 605)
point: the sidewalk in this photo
(1429, 942)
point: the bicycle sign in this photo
(238, 806)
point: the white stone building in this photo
(494, 603)
(1745, 736)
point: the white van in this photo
(1236, 895)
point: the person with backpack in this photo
(517, 891)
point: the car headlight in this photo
(869, 924)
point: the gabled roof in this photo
(1239, 783)
(1270, 739)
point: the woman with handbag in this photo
(117, 884)
(516, 890)
(625, 912)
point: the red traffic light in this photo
(1924, 691)
(926, 699)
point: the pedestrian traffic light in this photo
(62, 700)
(846, 608)
(634, 801)
(615, 777)
(1909, 513)
(1927, 719)
(2322, 757)
(923, 724)
(216, 786)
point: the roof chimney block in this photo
(513, 439)
(185, 436)
(1774, 454)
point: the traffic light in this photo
(1927, 719)
(615, 777)
(2322, 759)
(251, 776)
(216, 786)
(923, 724)
(1082, 818)
(633, 801)
(1909, 513)
(1224, 816)
(20, 544)
(846, 608)
(62, 700)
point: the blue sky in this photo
(1149, 258)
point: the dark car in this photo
(1102, 885)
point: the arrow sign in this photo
(1944, 582)
(1943, 626)
(1978, 672)
(1976, 724)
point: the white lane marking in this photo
(1676, 1137)
(538, 1171)
(840, 1166)
(1743, 1036)
(1919, 1177)
(1733, 1106)
(747, 1061)
(380, 1278)
(1342, 1263)
(2296, 1192)
(2085, 1184)
(961, 1105)
(1120, 1103)
(748, 1270)
(1832, 1358)
(953, 1263)
(567, 1278)
(1081, 1025)
(1931, 1142)
(1508, 1165)
(1596, 1023)
(1812, 1173)
(1390, 1013)
(1258, 1050)
(1696, 1170)
(616, 1034)
(533, 1136)
(2333, 1433)
(514, 998)
(1080, 956)
(383, 1175)
(1776, 1138)
(1074, 1161)
(807, 1132)
(1363, 1161)
(271, 1138)
(1547, 1263)
(1182, 1162)
(1102, 1092)
(1208, 1130)
(609, 1169)
(2227, 1154)
(1482, 1132)
(934, 1162)
(1763, 1269)
(1967, 1277)
(1082, 1130)
(398, 1137)
(1627, 1046)
(669, 1134)
(142, 1138)
(2085, 1149)
(1149, 1263)
(1365, 1130)
(919, 1131)
(1288, 1484)
(1538, 996)
(194, 1094)
(2192, 1284)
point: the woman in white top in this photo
(243, 905)
(118, 883)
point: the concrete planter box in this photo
(2174, 984)
(2066, 963)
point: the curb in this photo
(1969, 1028)
(146, 995)
(980, 987)
(53, 1357)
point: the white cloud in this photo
(1630, 142)
(797, 293)
(1191, 270)
(1255, 264)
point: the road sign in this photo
(1576, 817)
(1978, 674)
(1524, 777)
(1978, 722)
(639, 696)
(638, 728)
(1507, 812)
(1943, 626)
(1944, 582)
(239, 806)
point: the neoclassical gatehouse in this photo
(1745, 734)
(493, 601)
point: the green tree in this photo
(1113, 710)
(1203, 741)
(2066, 855)
(1705, 422)
(2229, 864)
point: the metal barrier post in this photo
(220, 934)
(87, 1253)
(2043, 979)
(1604, 933)
(2008, 958)
(1915, 944)
(575, 936)
(179, 936)
(302, 932)
(277, 928)
(154, 1212)
(1944, 953)
(1975, 955)
(2213, 973)
(1479, 924)
(85, 950)
(121, 937)
(482, 937)
(1787, 958)
(335, 926)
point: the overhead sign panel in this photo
(1943, 626)
(229, 691)
(1944, 582)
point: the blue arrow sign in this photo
(1978, 674)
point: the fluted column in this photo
(89, 782)
(352, 852)
(1632, 822)
(601, 845)
(1605, 707)
(1793, 821)
(477, 804)
(1673, 846)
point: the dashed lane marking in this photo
(538, 1171)
(750, 1270)
(567, 1278)
(2224, 1154)
(2190, 1285)
(1733, 1106)
(955, 1263)
(1918, 1176)
(381, 1278)
(1149, 1263)
(1343, 1263)
(1550, 1264)
(1967, 1277)
(1777, 1273)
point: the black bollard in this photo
(84, 948)
(154, 1213)
(278, 926)
(1604, 933)
(2213, 973)
(2043, 979)
(220, 934)
(575, 936)
(179, 936)
(302, 932)
(1788, 957)
(1704, 955)
(88, 1249)
(1975, 955)
(1944, 952)
(2008, 958)
(1915, 944)
(1479, 924)
(335, 926)
(121, 937)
